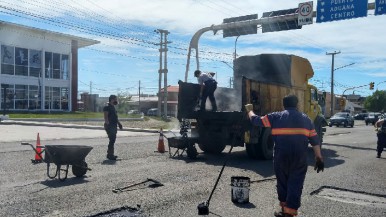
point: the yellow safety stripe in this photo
(293, 131)
(265, 121)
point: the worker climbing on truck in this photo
(207, 87)
(291, 131)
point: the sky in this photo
(128, 57)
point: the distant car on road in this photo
(361, 116)
(134, 112)
(341, 118)
(152, 112)
(372, 118)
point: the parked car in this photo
(361, 116)
(134, 112)
(341, 118)
(372, 118)
(152, 112)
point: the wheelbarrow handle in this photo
(34, 149)
(27, 143)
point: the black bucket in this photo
(240, 189)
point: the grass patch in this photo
(71, 115)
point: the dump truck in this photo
(262, 80)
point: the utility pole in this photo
(139, 96)
(90, 87)
(332, 81)
(163, 69)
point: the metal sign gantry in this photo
(262, 21)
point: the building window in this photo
(34, 97)
(48, 65)
(35, 63)
(21, 61)
(64, 98)
(52, 98)
(9, 96)
(56, 66)
(65, 67)
(56, 97)
(7, 60)
(21, 97)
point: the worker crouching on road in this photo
(207, 87)
(110, 125)
(381, 134)
(291, 131)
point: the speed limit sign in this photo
(305, 13)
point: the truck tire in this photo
(251, 150)
(212, 147)
(211, 141)
(264, 150)
(319, 124)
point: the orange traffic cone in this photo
(38, 152)
(161, 146)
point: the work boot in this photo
(111, 157)
(378, 155)
(279, 214)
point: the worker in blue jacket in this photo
(381, 134)
(291, 131)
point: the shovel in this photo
(153, 185)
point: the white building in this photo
(39, 68)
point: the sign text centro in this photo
(333, 10)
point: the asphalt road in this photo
(353, 183)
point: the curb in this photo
(47, 124)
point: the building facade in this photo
(39, 68)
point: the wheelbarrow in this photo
(64, 155)
(183, 143)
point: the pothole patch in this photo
(352, 197)
(124, 211)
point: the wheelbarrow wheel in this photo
(79, 169)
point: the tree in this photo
(123, 99)
(376, 102)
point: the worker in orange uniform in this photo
(291, 131)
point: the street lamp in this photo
(235, 47)
(380, 83)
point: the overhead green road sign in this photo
(380, 7)
(334, 10)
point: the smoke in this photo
(228, 99)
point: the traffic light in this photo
(371, 85)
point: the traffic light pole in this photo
(352, 88)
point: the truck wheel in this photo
(264, 150)
(80, 169)
(251, 150)
(212, 148)
(318, 129)
(345, 124)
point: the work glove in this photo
(120, 126)
(319, 165)
(248, 107)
